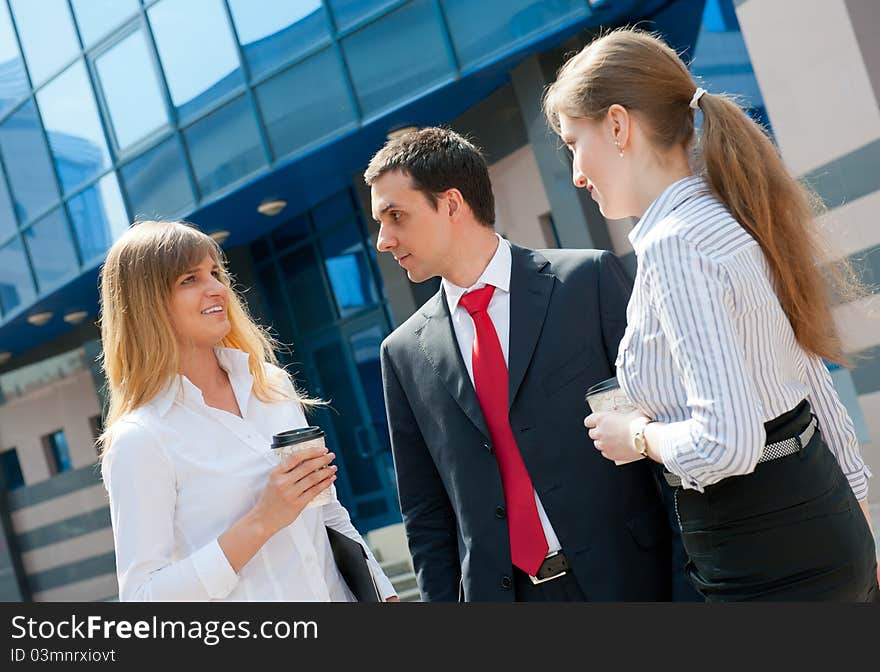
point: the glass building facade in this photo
(118, 110)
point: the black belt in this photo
(780, 447)
(554, 566)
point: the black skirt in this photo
(792, 530)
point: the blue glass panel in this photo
(332, 211)
(348, 268)
(305, 104)
(409, 35)
(60, 451)
(71, 120)
(98, 216)
(273, 32)
(225, 146)
(27, 163)
(13, 81)
(198, 53)
(301, 275)
(131, 90)
(157, 184)
(481, 29)
(48, 38)
(16, 283)
(349, 12)
(365, 345)
(11, 467)
(51, 249)
(290, 233)
(96, 18)
(8, 224)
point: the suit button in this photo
(506, 582)
(488, 447)
(500, 512)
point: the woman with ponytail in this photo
(728, 325)
(200, 507)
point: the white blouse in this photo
(180, 472)
(709, 350)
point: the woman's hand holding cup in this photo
(295, 482)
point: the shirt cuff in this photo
(214, 571)
(383, 585)
(672, 436)
(858, 481)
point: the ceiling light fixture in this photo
(220, 236)
(403, 130)
(271, 208)
(39, 319)
(76, 316)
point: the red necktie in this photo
(528, 545)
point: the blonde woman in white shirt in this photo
(200, 507)
(726, 330)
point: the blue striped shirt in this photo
(709, 350)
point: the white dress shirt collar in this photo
(669, 199)
(496, 273)
(180, 388)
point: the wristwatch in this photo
(640, 442)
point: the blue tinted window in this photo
(51, 249)
(96, 18)
(332, 211)
(301, 274)
(47, 36)
(11, 469)
(157, 184)
(481, 29)
(272, 32)
(348, 12)
(305, 104)
(225, 146)
(197, 51)
(98, 216)
(409, 35)
(27, 163)
(13, 82)
(70, 118)
(348, 268)
(8, 224)
(293, 231)
(16, 283)
(131, 90)
(58, 452)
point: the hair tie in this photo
(695, 101)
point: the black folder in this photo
(351, 559)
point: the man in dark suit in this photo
(503, 497)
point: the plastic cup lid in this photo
(292, 436)
(604, 386)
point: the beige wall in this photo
(65, 404)
(520, 199)
(812, 76)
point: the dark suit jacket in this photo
(567, 315)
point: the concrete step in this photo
(396, 568)
(402, 583)
(412, 595)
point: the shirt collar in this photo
(669, 199)
(179, 388)
(496, 273)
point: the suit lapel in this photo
(530, 291)
(437, 340)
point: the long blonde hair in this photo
(140, 349)
(639, 71)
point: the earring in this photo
(619, 150)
